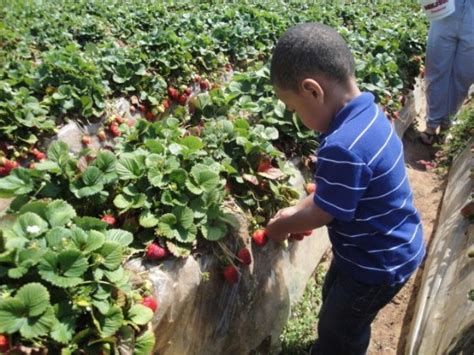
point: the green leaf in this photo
(38, 326)
(64, 269)
(271, 133)
(111, 322)
(175, 148)
(139, 314)
(167, 225)
(88, 241)
(130, 168)
(88, 223)
(214, 232)
(111, 253)
(192, 143)
(184, 216)
(280, 109)
(59, 213)
(204, 177)
(120, 236)
(91, 183)
(196, 190)
(29, 312)
(126, 202)
(19, 182)
(180, 250)
(37, 207)
(106, 162)
(49, 166)
(29, 225)
(12, 312)
(155, 177)
(59, 152)
(145, 343)
(92, 176)
(147, 219)
(35, 297)
(186, 235)
(64, 327)
(178, 176)
(58, 238)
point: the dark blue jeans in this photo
(348, 309)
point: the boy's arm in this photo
(304, 216)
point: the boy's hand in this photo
(276, 228)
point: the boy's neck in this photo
(342, 95)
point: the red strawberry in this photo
(101, 135)
(114, 129)
(188, 91)
(197, 78)
(182, 99)
(204, 84)
(4, 344)
(11, 164)
(150, 116)
(310, 187)
(231, 274)
(260, 237)
(109, 219)
(156, 252)
(166, 104)
(8, 165)
(244, 256)
(173, 93)
(86, 140)
(38, 154)
(150, 302)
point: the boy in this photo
(362, 195)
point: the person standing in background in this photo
(449, 67)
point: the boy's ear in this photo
(311, 87)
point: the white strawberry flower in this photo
(33, 229)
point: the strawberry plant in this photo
(64, 285)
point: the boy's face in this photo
(309, 104)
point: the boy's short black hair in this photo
(309, 49)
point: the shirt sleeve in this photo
(342, 179)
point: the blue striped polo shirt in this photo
(376, 233)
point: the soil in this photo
(392, 325)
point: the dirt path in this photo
(391, 327)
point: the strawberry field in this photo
(204, 129)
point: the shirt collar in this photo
(350, 110)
